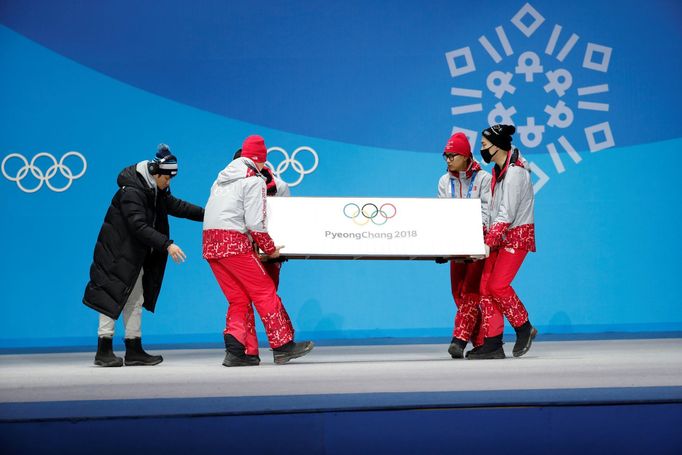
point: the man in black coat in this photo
(131, 253)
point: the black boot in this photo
(524, 338)
(456, 349)
(473, 351)
(135, 355)
(491, 349)
(105, 356)
(292, 350)
(235, 356)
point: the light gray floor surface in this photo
(360, 373)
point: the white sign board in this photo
(376, 228)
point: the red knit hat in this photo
(254, 148)
(458, 145)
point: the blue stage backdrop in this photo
(371, 90)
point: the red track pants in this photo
(497, 296)
(244, 281)
(465, 281)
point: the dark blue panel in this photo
(364, 72)
(625, 429)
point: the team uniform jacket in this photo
(236, 212)
(511, 217)
(457, 185)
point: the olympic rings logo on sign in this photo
(43, 177)
(295, 164)
(369, 212)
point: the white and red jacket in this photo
(474, 183)
(236, 212)
(511, 220)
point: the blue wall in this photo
(368, 88)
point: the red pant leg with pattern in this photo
(239, 317)
(497, 296)
(244, 281)
(272, 269)
(465, 279)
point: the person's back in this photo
(236, 213)
(234, 209)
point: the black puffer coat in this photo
(134, 236)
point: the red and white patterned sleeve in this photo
(495, 234)
(264, 241)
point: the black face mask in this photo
(486, 155)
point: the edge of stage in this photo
(563, 396)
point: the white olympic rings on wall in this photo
(293, 162)
(44, 177)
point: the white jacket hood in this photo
(238, 169)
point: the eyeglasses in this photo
(449, 157)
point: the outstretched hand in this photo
(176, 253)
(275, 254)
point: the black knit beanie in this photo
(500, 135)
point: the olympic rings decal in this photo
(369, 212)
(44, 177)
(295, 164)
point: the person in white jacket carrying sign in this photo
(276, 187)
(465, 180)
(236, 215)
(510, 236)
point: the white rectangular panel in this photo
(376, 228)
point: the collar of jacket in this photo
(512, 160)
(499, 174)
(473, 167)
(252, 170)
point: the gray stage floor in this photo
(592, 370)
